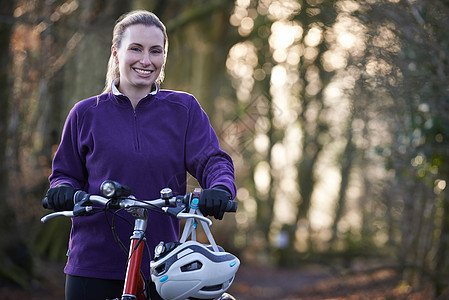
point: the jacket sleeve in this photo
(204, 158)
(69, 161)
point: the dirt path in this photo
(268, 283)
(316, 283)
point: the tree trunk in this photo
(345, 172)
(442, 255)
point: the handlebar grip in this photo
(231, 206)
(77, 197)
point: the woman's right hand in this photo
(60, 197)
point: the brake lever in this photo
(195, 216)
(173, 211)
(56, 214)
(77, 211)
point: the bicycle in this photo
(179, 270)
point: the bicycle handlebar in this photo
(230, 207)
(172, 205)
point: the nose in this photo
(145, 59)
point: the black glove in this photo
(61, 198)
(213, 201)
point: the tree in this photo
(15, 264)
(408, 50)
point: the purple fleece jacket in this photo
(147, 148)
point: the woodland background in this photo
(335, 113)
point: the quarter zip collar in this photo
(116, 92)
(122, 99)
(119, 95)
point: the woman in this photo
(140, 136)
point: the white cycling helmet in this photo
(192, 270)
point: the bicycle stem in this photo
(133, 280)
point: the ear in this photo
(114, 53)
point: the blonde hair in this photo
(141, 17)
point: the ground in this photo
(262, 283)
(317, 283)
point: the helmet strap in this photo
(191, 226)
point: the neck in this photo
(135, 98)
(135, 95)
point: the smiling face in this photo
(140, 58)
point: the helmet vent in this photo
(159, 270)
(193, 266)
(212, 288)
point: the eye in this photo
(137, 49)
(156, 51)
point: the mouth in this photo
(142, 71)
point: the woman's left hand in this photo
(213, 202)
